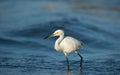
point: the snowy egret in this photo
(67, 45)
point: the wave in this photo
(90, 34)
(4, 40)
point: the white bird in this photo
(67, 45)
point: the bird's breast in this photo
(57, 46)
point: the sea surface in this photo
(25, 23)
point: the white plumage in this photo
(67, 44)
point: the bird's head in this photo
(57, 33)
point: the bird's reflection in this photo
(68, 73)
(73, 73)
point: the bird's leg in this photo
(68, 63)
(67, 60)
(81, 59)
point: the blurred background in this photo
(25, 23)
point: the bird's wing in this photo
(70, 43)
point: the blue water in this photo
(25, 23)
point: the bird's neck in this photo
(58, 41)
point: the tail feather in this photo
(81, 45)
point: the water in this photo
(24, 24)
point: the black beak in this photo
(46, 37)
(49, 36)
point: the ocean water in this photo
(25, 23)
